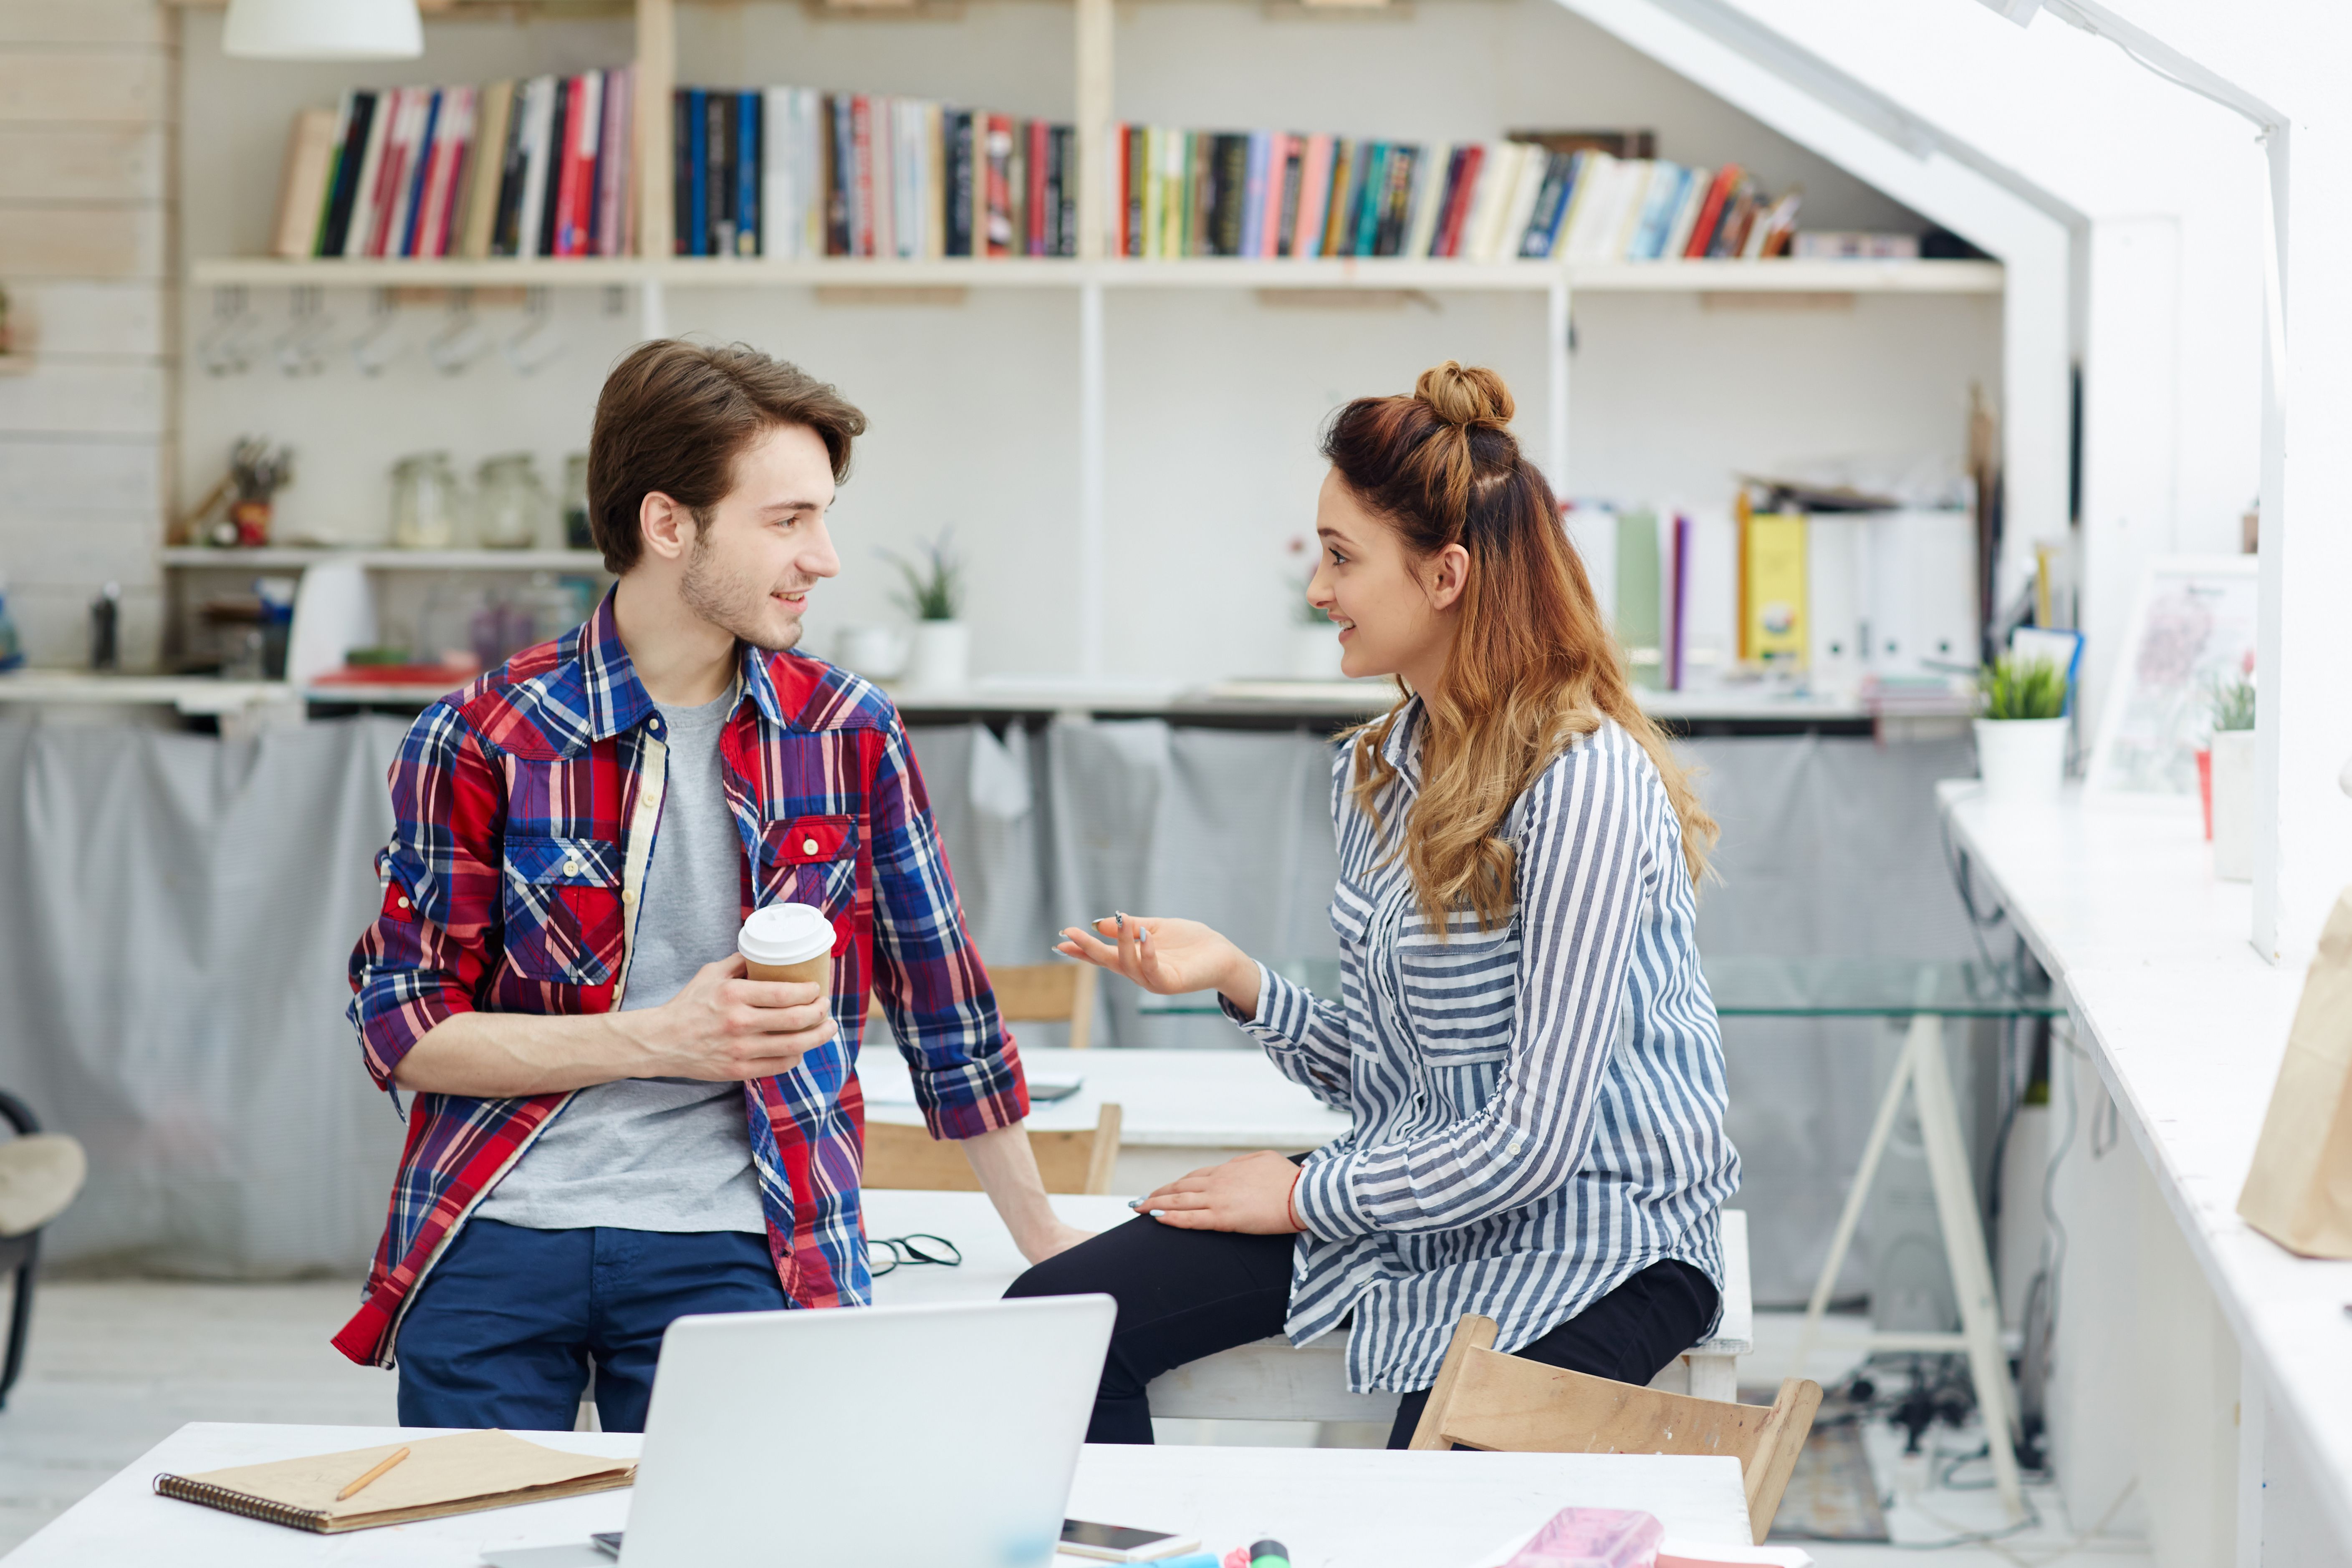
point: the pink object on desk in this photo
(1594, 1538)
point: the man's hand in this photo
(1250, 1194)
(723, 1028)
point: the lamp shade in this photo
(322, 30)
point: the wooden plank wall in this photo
(86, 252)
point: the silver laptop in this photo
(939, 1436)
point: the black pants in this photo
(1185, 1294)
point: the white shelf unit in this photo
(1506, 277)
(1089, 276)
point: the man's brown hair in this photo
(673, 417)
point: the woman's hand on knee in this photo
(1250, 1195)
(1168, 957)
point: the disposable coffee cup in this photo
(788, 941)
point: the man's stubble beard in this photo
(729, 601)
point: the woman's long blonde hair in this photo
(1533, 665)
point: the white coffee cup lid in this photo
(785, 934)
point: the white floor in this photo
(117, 1365)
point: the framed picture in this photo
(2191, 631)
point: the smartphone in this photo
(1120, 1542)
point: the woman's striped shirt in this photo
(1538, 1107)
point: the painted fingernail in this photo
(1135, 1203)
(1121, 918)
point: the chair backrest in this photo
(1040, 994)
(899, 1156)
(1485, 1399)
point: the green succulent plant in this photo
(2014, 688)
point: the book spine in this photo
(1033, 239)
(1397, 204)
(780, 224)
(576, 216)
(1314, 194)
(338, 222)
(1286, 224)
(361, 222)
(455, 154)
(302, 184)
(1134, 187)
(383, 173)
(1347, 187)
(1364, 227)
(559, 129)
(747, 173)
(1200, 188)
(840, 173)
(719, 139)
(1230, 195)
(615, 158)
(862, 186)
(1710, 212)
(1254, 193)
(681, 171)
(1464, 198)
(695, 171)
(564, 179)
(415, 177)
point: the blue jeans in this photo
(501, 1331)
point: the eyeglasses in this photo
(885, 1253)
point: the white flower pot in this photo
(941, 659)
(1315, 653)
(2022, 760)
(2233, 804)
(878, 653)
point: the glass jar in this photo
(424, 502)
(542, 610)
(577, 535)
(511, 508)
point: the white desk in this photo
(1333, 1507)
(2186, 1026)
(1181, 1109)
(1268, 1381)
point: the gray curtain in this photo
(176, 912)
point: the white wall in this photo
(1214, 399)
(85, 222)
(2171, 327)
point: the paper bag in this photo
(2299, 1193)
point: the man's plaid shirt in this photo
(527, 808)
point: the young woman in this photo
(1522, 1032)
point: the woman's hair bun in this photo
(1465, 396)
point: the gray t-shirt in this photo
(658, 1153)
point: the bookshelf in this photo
(652, 279)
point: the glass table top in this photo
(1773, 987)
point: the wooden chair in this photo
(1040, 994)
(1483, 1399)
(897, 1156)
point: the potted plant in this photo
(2022, 731)
(2228, 774)
(940, 659)
(1315, 651)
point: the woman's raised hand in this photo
(1165, 956)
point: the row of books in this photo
(539, 166)
(1270, 194)
(542, 167)
(795, 173)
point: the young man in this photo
(611, 1125)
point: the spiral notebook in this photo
(457, 1474)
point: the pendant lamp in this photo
(322, 30)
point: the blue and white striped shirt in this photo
(1538, 1107)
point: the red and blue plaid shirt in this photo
(527, 808)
